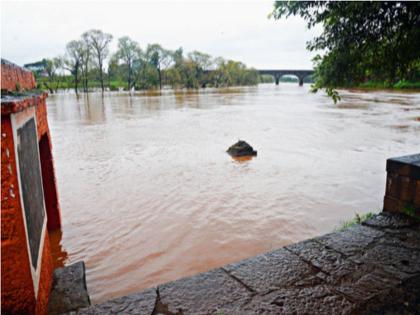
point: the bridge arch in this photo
(277, 74)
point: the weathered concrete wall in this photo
(402, 193)
(18, 290)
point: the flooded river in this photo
(148, 193)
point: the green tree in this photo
(85, 60)
(52, 69)
(99, 42)
(128, 51)
(175, 74)
(230, 73)
(73, 60)
(160, 58)
(360, 40)
(203, 62)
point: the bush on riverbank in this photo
(402, 84)
(354, 49)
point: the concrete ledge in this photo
(69, 291)
(408, 165)
(370, 268)
(16, 103)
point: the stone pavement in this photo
(369, 268)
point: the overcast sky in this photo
(236, 30)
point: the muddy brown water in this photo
(148, 193)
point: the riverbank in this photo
(150, 162)
(118, 86)
(368, 268)
(373, 267)
(400, 85)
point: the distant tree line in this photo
(88, 63)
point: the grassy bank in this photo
(356, 220)
(400, 85)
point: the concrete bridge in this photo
(277, 74)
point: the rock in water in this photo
(241, 148)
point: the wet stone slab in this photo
(139, 303)
(401, 299)
(272, 270)
(326, 260)
(398, 261)
(372, 268)
(356, 281)
(317, 299)
(207, 293)
(351, 241)
(407, 238)
(390, 221)
(363, 283)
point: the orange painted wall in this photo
(17, 293)
(52, 204)
(17, 289)
(45, 281)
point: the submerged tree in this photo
(203, 62)
(73, 60)
(128, 51)
(160, 58)
(52, 69)
(99, 42)
(129, 67)
(86, 60)
(361, 40)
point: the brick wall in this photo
(402, 193)
(15, 78)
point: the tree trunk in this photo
(76, 79)
(101, 75)
(129, 78)
(49, 88)
(160, 78)
(86, 80)
(57, 85)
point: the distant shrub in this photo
(375, 85)
(403, 84)
(113, 87)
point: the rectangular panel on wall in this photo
(31, 183)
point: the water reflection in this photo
(242, 159)
(148, 193)
(93, 111)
